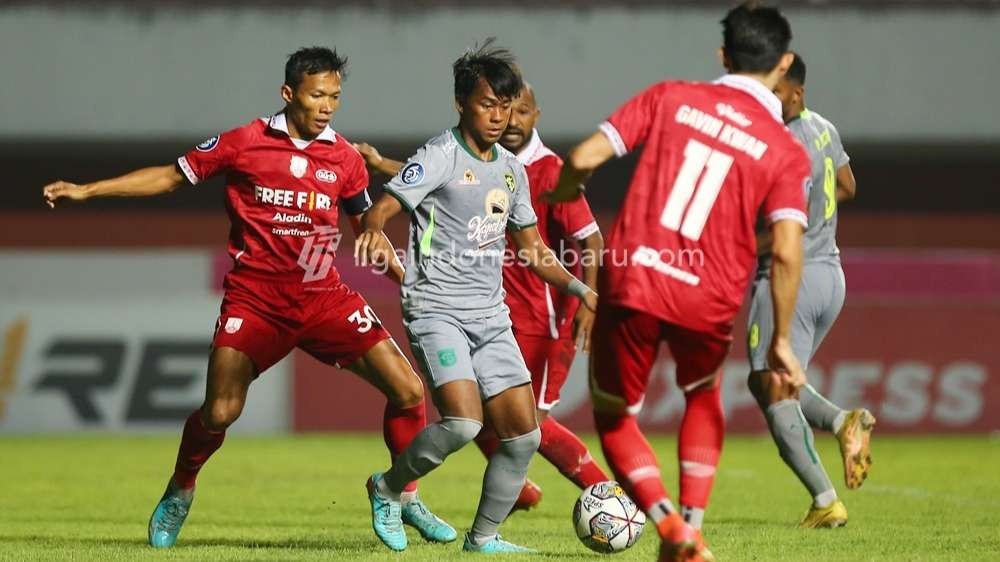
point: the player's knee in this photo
(408, 394)
(758, 383)
(523, 446)
(459, 431)
(220, 414)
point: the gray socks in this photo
(428, 450)
(794, 439)
(819, 412)
(502, 483)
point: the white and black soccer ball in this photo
(607, 520)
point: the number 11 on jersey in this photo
(698, 158)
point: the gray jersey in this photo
(826, 156)
(461, 208)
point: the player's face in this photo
(484, 114)
(524, 113)
(311, 105)
(790, 94)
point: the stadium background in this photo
(107, 308)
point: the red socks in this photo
(399, 427)
(700, 444)
(632, 460)
(566, 452)
(197, 444)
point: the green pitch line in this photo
(302, 498)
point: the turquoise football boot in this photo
(169, 515)
(386, 516)
(430, 526)
(495, 546)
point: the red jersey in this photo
(715, 155)
(559, 226)
(282, 195)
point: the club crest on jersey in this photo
(508, 178)
(468, 178)
(233, 325)
(298, 166)
(327, 176)
(412, 173)
(208, 144)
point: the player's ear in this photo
(724, 60)
(458, 106)
(785, 63)
(287, 93)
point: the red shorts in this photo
(266, 320)
(624, 346)
(548, 361)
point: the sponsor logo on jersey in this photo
(468, 178)
(309, 200)
(233, 325)
(488, 229)
(328, 176)
(298, 166)
(289, 217)
(508, 178)
(412, 173)
(730, 112)
(209, 144)
(316, 257)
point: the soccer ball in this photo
(606, 519)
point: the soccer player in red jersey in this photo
(548, 334)
(284, 177)
(681, 255)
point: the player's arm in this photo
(786, 274)
(543, 262)
(372, 246)
(583, 159)
(140, 183)
(394, 267)
(591, 249)
(846, 186)
(376, 162)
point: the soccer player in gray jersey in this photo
(463, 193)
(820, 298)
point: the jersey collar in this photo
(531, 151)
(763, 96)
(279, 123)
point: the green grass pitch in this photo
(302, 498)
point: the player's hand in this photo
(62, 190)
(590, 301)
(563, 193)
(372, 157)
(373, 249)
(583, 325)
(783, 362)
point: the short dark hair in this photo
(754, 37)
(494, 64)
(797, 72)
(313, 60)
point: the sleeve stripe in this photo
(789, 214)
(617, 143)
(586, 231)
(188, 170)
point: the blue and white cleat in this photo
(496, 546)
(169, 515)
(430, 526)
(386, 516)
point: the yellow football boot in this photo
(855, 446)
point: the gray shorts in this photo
(481, 350)
(821, 296)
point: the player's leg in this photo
(386, 368)
(229, 376)
(443, 350)
(504, 383)
(559, 445)
(852, 428)
(624, 346)
(534, 350)
(791, 433)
